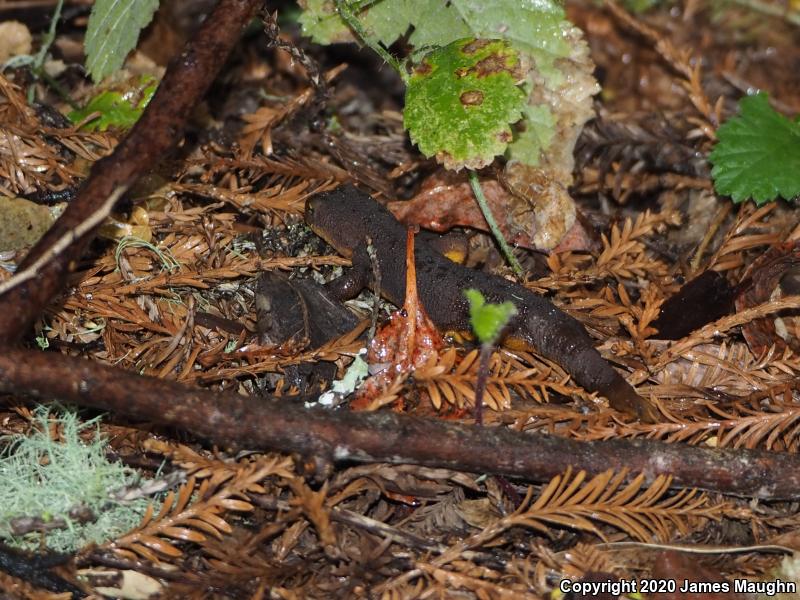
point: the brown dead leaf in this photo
(479, 513)
(446, 201)
(769, 277)
(22, 223)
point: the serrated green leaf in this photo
(117, 108)
(114, 27)
(461, 101)
(560, 84)
(385, 21)
(757, 154)
(321, 22)
(435, 25)
(536, 27)
(488, 320)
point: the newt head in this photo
(344, 217)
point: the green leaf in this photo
(385, 21)
(559, 83)
(114, 27)
(536, 27)
(321, 22)
(535, 134)
(436, 24)
(488, 320)
(461, 101)
(117, 108)
(758, 154)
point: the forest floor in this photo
(169, 289)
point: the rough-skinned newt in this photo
(348, 219)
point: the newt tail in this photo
(348, 219)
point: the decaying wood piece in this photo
(330, 437)
(159, 128)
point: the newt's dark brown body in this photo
(347, 217)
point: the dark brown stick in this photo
(339, 436)
(185, 82)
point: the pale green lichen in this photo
(46, 479)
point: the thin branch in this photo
(326, 437)
(160, 127)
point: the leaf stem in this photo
(47, 40)
(348, 16)
(59, 89)
(487, 214)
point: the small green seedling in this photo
(758, 154)
(116, 108)
(488, 322)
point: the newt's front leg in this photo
(348, 285)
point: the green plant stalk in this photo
(487, 214)
(47, 40)
(348, 16)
